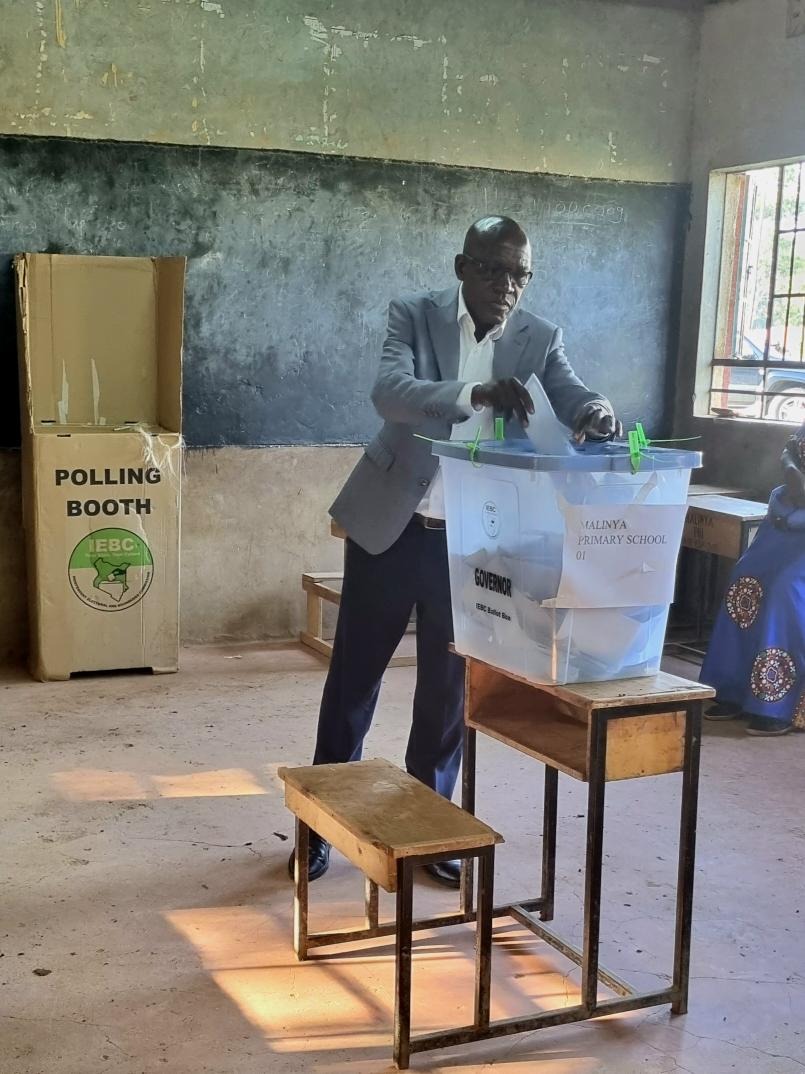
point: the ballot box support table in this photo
(596, 733)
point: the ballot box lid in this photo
(592, 457)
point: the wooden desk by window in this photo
(722, 525)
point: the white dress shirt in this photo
(474, 368)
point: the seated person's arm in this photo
(792, 475)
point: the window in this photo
(758, 363)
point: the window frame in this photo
(722, 293)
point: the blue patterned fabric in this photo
(756, 656)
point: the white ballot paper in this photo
(545, 431)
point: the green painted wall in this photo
(580, 87)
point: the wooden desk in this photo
(711, 490)
(595, 732)
(722, 525)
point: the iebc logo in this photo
(111, 569)
(490, 519)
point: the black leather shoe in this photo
(445, 872)
(318, 858)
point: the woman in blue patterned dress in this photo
(756, 657)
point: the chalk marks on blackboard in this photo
(585, 213)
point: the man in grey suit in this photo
(452, 361)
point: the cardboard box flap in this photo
(170, 322)
(140, 428)
(21, 272)
(103, 339)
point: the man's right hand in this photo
(507, 396)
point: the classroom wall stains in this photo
(109, 77)
(41, 36)
(61, 36)
(537, 87)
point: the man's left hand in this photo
(596, 422)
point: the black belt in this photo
(429, 523)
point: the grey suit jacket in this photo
(416, 391)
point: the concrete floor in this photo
(145, 907)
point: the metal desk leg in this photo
(687, 857)
(468, 803)
(549, 843)
(483, 937)
(402, 972)
(300, 890)
(593, 862)
(371, 903)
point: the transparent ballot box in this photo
(562, 568)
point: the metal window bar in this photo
(788, 294)
(780, 260)
(775, 252)
(751, 394)
(740, 286)
(799, 207)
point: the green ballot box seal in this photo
(111, 569)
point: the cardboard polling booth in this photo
(100, 347)
(562, 566)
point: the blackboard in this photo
(293, 258)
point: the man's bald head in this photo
(494, 269)
(492, 230)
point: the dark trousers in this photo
(378, 595)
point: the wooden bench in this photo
(387, 823)
(324, 587)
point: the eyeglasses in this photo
(494, 271)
